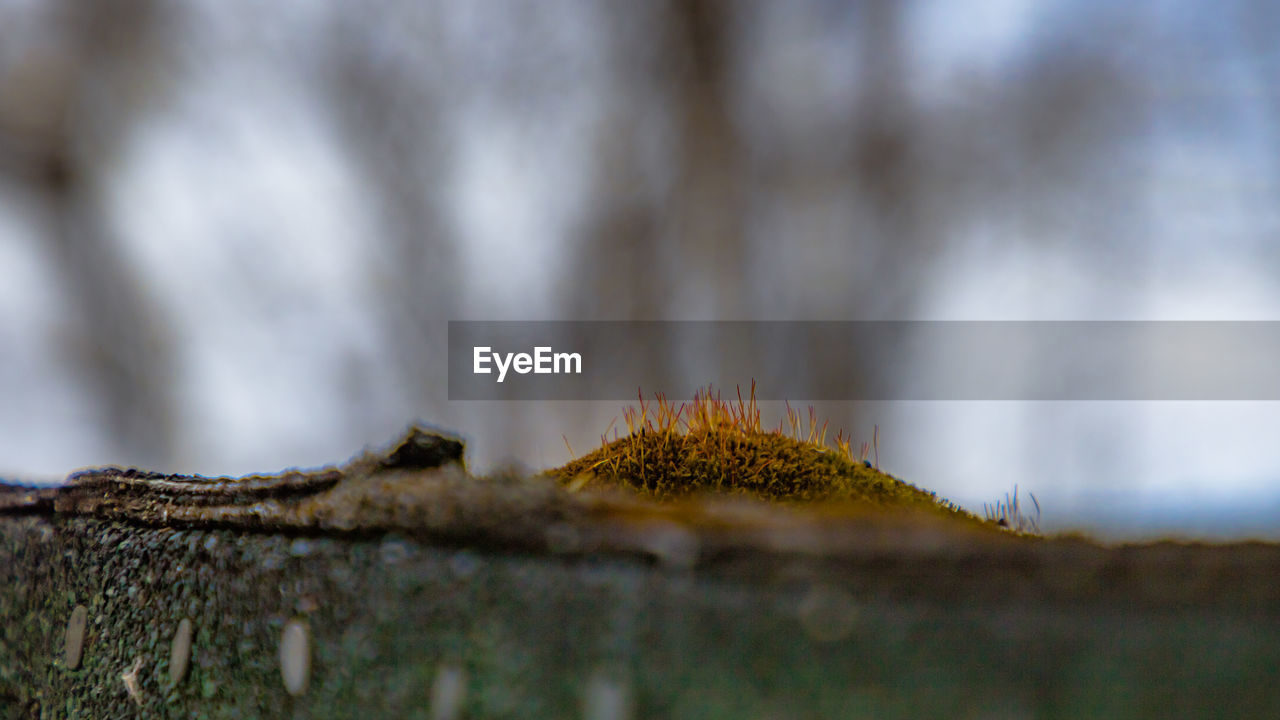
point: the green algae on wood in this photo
(1057, 630)
(836, 615)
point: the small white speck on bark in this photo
(75, 636)
(295, 656)
(606, 697)
(130, 678)
(180, 652)
(448, 692)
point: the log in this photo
(400, 585)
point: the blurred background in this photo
(232, 233)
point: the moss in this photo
(668, 466)
(712, 446)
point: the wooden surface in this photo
(425, 592)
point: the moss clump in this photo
(712, 446)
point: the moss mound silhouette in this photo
(713, 446)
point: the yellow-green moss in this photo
(668, 465)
